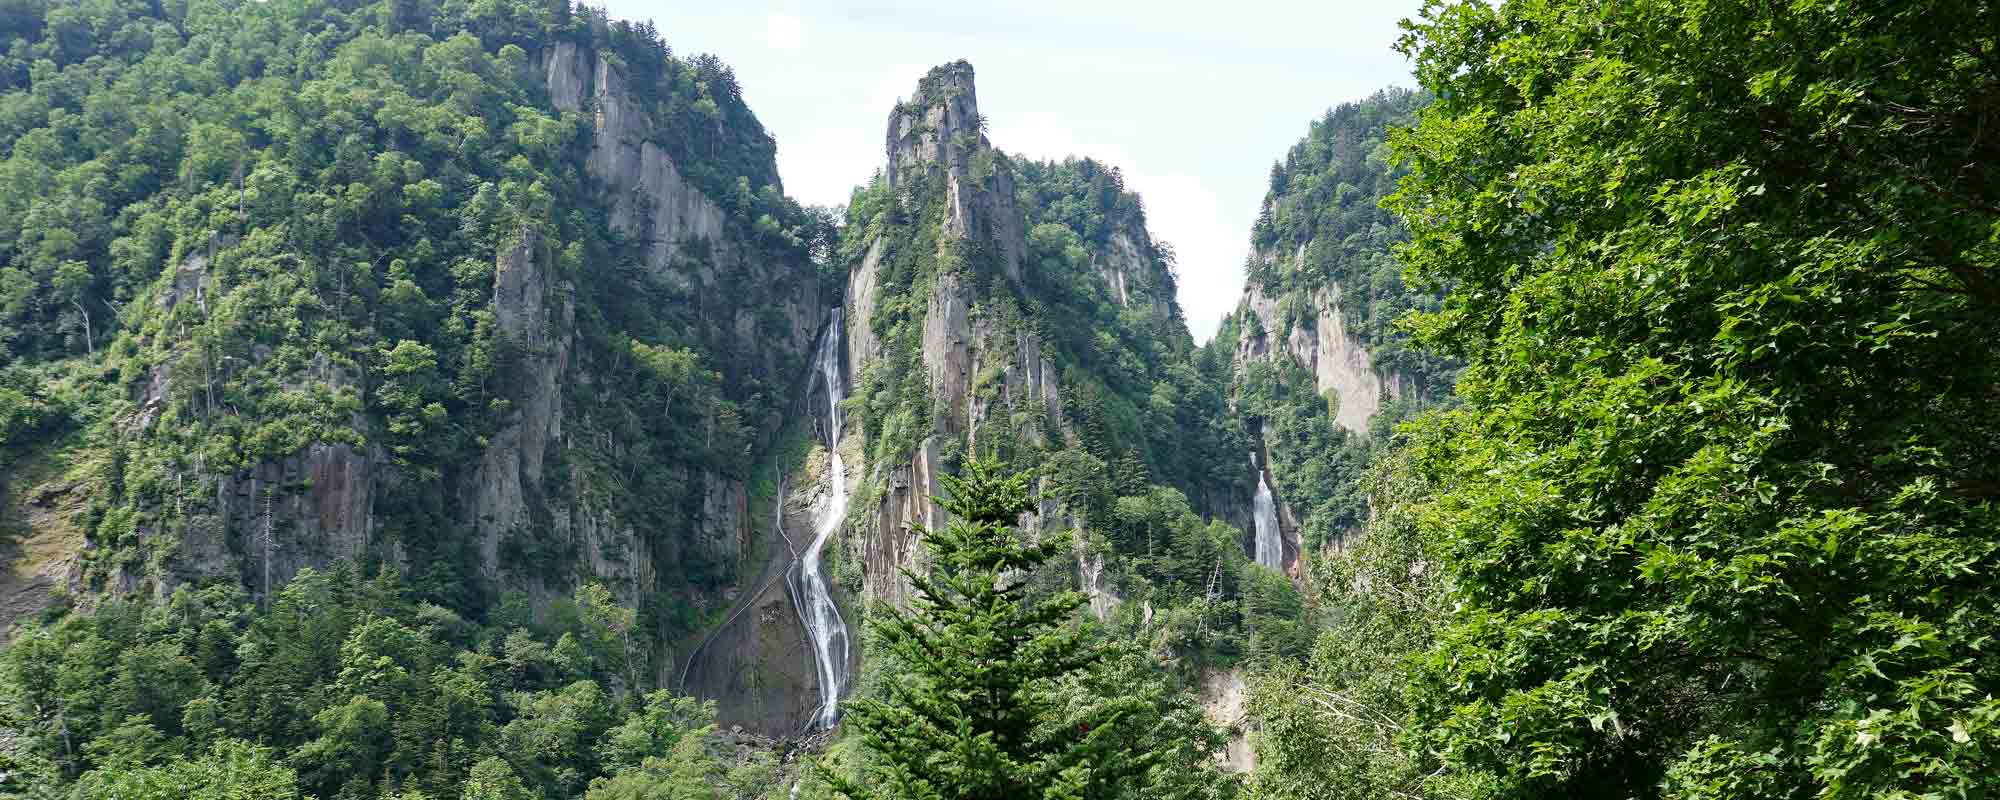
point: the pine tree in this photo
(975, 711)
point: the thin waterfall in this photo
(1270, 546)
(821, 617)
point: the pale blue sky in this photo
(1192, 101)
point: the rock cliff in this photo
(539, 504)
(1319, 359)
(1315, 337)
(936, 145)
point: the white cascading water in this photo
(820, 615)
(1270, 549)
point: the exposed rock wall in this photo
(888, 541)
(649, 198)
(759, 662)
(1319, 342)
(653, 201)
(535, 313)
(862, 344)
(1308, 328)
(261, 524)
(935, 140)
(948, 353)
(1124, 265)
(1225, 700)
(940, 134)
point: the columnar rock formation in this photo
(935, 142)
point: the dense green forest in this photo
(347, 687)
(1682, 480)
(1715, 514)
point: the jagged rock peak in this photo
(926, 130)
(938, 139)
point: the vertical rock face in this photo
(1224, 700)
(649, 198)
(1319, 342)
(948, 352)
(1308, 329)
(888, 543)
(535, 314)
(940, 135)
(262, 523)
(756, 665)
(934, 143)
(1121, 266)
(652, 201)
(862, 344)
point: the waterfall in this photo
(817, 611)
(1270, 546)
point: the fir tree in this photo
(976, 710)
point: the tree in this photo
(1330, 723)
(687, 772)
(231, 770)
(492, 779)
(975, 711)
(662, 723)
(1720, 507)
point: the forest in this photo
(401, 399)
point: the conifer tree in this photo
(975, 710)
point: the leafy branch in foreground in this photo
(1720, 506)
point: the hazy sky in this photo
(1192, 101)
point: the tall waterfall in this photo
(817, 611)
(1270, 546)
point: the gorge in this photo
(475, 428)
(444, 400)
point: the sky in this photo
(1191, 101)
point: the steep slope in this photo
(510, 310)
(1014, 310)
(515, 308)
(1019, 312)
(1321, 368)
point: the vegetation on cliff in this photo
(1323, 247)
(1681, 482)
(1146, 444)
(236, 231)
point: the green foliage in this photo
(1323, 227)
(1001, 695)
(1147, 401)
(276, 226)
(1324, 243)
(1143, 398)
(1142, 409)
(1332, 723)
(230, 770)
(344, 688)
(1719, 508)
